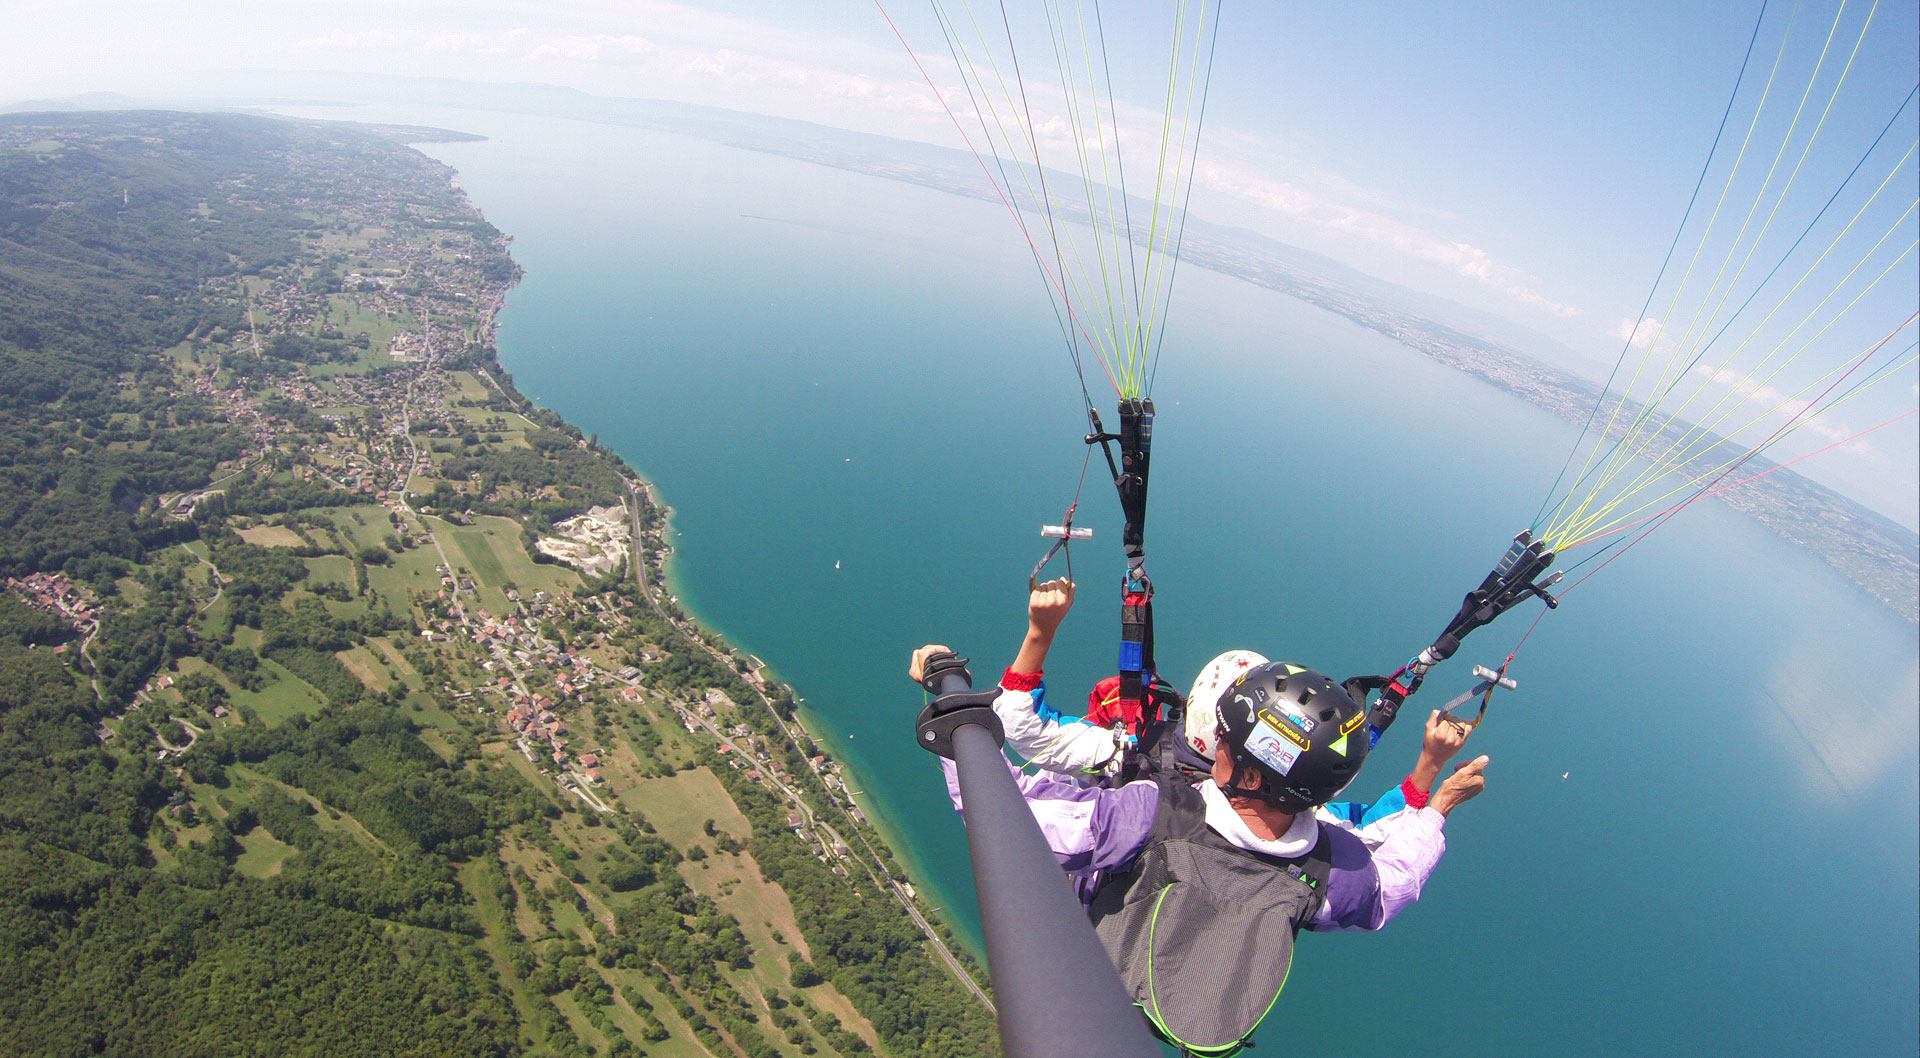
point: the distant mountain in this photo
(1876, 553)
(83, 101)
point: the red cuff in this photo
(1020, 681)
(1416, 797)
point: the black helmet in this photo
(1302, 732)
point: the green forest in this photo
(260, 791)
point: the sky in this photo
(1531, 161)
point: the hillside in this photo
(308, 742)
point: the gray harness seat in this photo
(1201, 930)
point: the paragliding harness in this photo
(1171, 935)
(1514, 579)
(1140, 708)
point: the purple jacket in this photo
(1094, 831)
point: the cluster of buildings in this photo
(56, 594)
(530, 716)
(533, 720)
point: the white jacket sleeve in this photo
(1043, 737)
(1406, 846)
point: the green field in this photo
(364, 361)
(362, 664)
(345, 412)
(388, 651)
(346, 313)
(678, 805)
(262, 855)
(415, 570)
(479, 556)
(284, 696)
(469, 386)
(330, 569)
(491, 552)
(366, 526)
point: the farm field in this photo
(492, 552)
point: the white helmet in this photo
(1203, 716)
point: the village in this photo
(347, 540)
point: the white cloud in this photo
(1640, 335)
(808, 85)
(1776, 408)
(718, 63)
(477, 45)
(1379, 230)
(598, 47)
(353, 40)
(1847, 747)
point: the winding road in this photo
(755, 681)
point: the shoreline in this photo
(761, 679)
(879, 815)
(890, 831)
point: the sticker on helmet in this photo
(1248, 702)
(1272, 720)
(1353, 723)
(1297, 719)
(1270, 749)
(1339, 745)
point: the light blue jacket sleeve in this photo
(1361, 815)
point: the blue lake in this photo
(1700, 833)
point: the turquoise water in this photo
(1700, 834)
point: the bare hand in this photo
(1445, 735)
(918, 667)
(1048, 606)
(1462, 786)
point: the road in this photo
(254, 329)
(483, 373)
(579, 787)
(219, 582)
(756, 682)
(193, 735)
(93, 665)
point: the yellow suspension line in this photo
(970, 71)
(1582, 528)
(1602, 484)
(1633, 382)
(1731, 283)
(1166, 261)
(1571, 540)
(1761, 325)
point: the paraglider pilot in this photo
(1197, 889)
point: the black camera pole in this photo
(1056, 991)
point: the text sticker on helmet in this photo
(1292, 714)
(1273, 720)
(1267, 746)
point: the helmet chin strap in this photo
(1261, 794)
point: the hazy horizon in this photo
(1529, 166)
